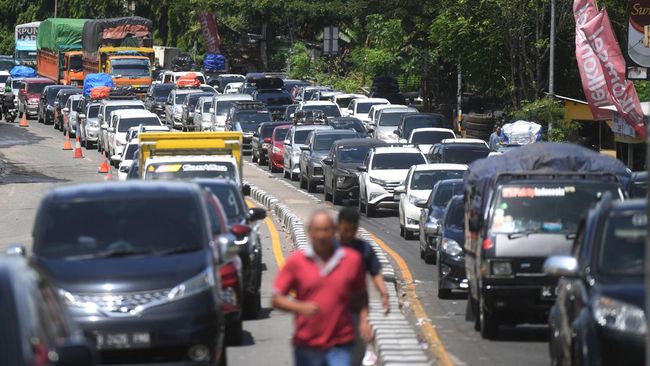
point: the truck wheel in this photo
(488, 321)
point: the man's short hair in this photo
(349, 215)
(318, 212)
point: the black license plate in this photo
(123, 340)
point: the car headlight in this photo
(276, 150)
(620, 316)
(451, 247)
(201, 282)
(501, 268)
(71, 301)
(413, 200)
(377, 181)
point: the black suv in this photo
(156, 97)
(246, 117)
(46, 102)
(451, 257)
(276, 100)
(598, 316)
(316, 148)
(141, 280)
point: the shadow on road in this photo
(523, 333)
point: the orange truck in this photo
(58, 45)
(122, 48)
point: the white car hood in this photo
(390, 174)
(420, 193)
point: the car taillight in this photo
(240, 231)
(487, 244)
(229, 287)
(267, 140)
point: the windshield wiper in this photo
(178, 250)
(113, 253)
(519, 234)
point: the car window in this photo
(464, 154)
(425, 180)
(397, 161)
(622, 245)
(352, 154)
(455, 215)
(231, 200)
(430, 137)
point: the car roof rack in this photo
(311, 117)
(248, 105)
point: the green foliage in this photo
(300, 66)
(548, 112)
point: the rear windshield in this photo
(352, 154)
(445, 192)
(223, 106)
(280, 133)
(412, 123)
(300, 136)
(430, 137)
(328, 110)
(7, 64)
(161, 91)
(51, 94)
(324, 142)
(169, 171)
(253, 116)
(364, 107)
(544, 208)
(180, 98)
(267, 131)
(231, 200)
(110, 108)
(276, 98)
(343, 102)
(130, 151)
(464, 154)
(126, 123)
(622, 247)
(425, 180)
(105, 228)
(206, 106)
(349, 125)
(397, 161)
(391, 118)
(36, 87)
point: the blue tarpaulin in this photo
(95, 80)
(214, 62)
(541, 157)
(22, 72)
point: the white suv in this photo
(296, 137)
(414, 193)
(384, 169)
(121, 122)
(387, 120)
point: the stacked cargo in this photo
(59, 43)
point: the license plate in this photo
(123, 340)
(549, 292)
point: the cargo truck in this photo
(25, 37)
(59, 56)
(188, 155)
(165, 55)
(120, 47)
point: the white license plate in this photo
(123, 340)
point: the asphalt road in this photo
(523, 345)
(32, 161)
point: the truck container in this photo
(25, 39)
(58, 45)
(165, 55)
(120, 47)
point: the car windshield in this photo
(7, 64)
(420, 122)
(324, 142)
(3, 78)
(430, 137)
(75, 105)
(119, 227)
(192, 100)
(344, 102)
(256, 117)
(425, 180)
(300, 136)
(110, 108)
(129, 67)
(544, 207)
(444, 193)
(185, 170)
(397, 161)
(330, 110)
(161, 92)
(64, 98)
(348, 125)
(267, 131)
(231, 200)
(206, 106)
(274, 98)
(622, 245)
(352, 154)
(76, 63)
(16, 84)
(180, 98)
(391, 119)
(280, 133)
(464, 154)
(247, 126)
(126, 123)
(130, 150)
(93, 111)
(223, 106)
(51, 94)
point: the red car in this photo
(277, 142)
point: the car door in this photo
(305, 154)
(286, 156)
(363, 177)
(169, 107)
(66, 111)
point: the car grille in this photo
(318, 171)
(390, 185)
(125, 303)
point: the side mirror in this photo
(398, 133)
(328, 161)
(304, 147)
(421, 203)
(246, 189)
(110, 129)
(287, 143)
(400, 189)
(104, 126)
(16, 250)
(75, 355)
(561, 266)
(256, 214)
(362, 168)
(240, 231)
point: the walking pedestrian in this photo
(348, 226)
(327, 280)
(496, 138)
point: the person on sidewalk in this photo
(327, 280)
(348, 226)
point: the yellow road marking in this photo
(275, 237)
(427, 328)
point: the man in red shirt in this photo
(328, 280)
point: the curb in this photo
(395, 340)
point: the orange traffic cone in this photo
(67, 145)
(23, 121)
(103, 167)
(77, 148)
(109, 175)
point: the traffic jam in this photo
(158, 257)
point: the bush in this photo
(548, 112)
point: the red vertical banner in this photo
(602, 41)
(591, 72)
(210, 31)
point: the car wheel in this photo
(273, 169)
(252, 305)
(362, 207)
(294, 176)
(371, 210)
(254, 158)
(287, 175)
(303, 182)
(311, 186)
(234, 332)
(336, 197)
(429, 257)
(421, 251)
(401, 231)
(328, 197)
(488, 322)
(443, 293)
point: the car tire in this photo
(287, 175)
(401, 231)
(336, 197)
(408, 235)
(303, 182)
(294, 176)
(488, 321)
(311, 186)
(371, 210)
(254, 158)
(421, 251)
(362, 207)
(252, 305)
(234, 332)
(273, 169)
(443, 293)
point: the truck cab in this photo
(129, 70)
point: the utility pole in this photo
(459, 96)
(551, 57)
(56, 5)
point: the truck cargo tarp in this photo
(22, 72)
(214, 62)
(60, 34)
(94, 80)
(98, 30)
(542, 157)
